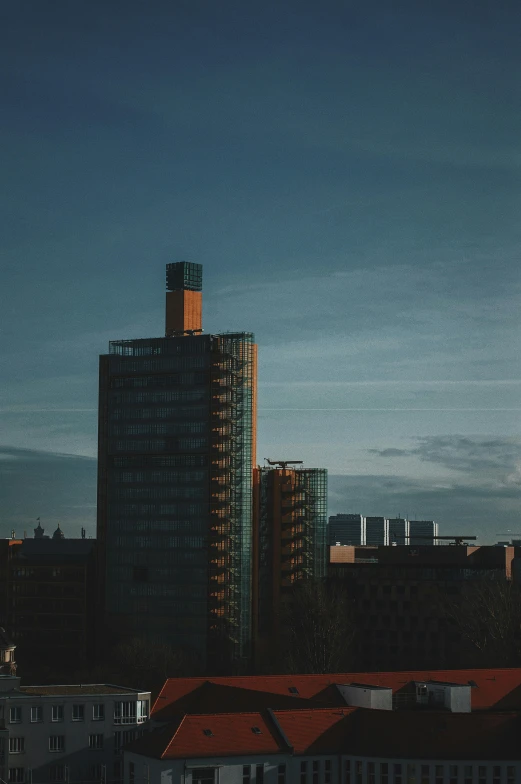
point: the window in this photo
(453, 774)
(397, 770)
(371, 772)
(511, 774)
(57, 743)
(482, 774)
(259, 774)
(303, 772)
(142, 710)
(425, 774)
(316, 771)
(15, 717)
(96, 741)
(359, 770)
(203, 776)
(246, 774)
(132, 773)
(57, 773)
(98, 711)
(347, 772)
(96, 772)
(57, 713)
(327, 771)
(16, 775)
(118, 770)
(467, 774)
(496, 774)
(411, 773)
(125, 712)
(78, 712)
(16, 745)
(36, 713)
(281, 774)
(438, 770)
(384, 772)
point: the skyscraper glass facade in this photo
(174, 490)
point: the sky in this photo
(348, 173)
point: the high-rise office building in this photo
(376, 530)
(398, 530)
(290, 521)
(423, 532)
(346, 529)
(177, 426)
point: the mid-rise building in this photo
(51, 602)
(72, 733)
(398, 530)
(177, 423)
(401, 595)
(346, 529)
(290, 520)
(376, 531)
(423, 532)
(432, 727)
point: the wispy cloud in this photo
(485, 461)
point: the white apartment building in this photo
(68, 733)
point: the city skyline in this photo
(350, 180)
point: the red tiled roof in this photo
(303, 728)
(227, 734)
(355, 731)
(499, 688)
(219, 698)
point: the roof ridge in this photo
(173, 737)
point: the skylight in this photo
(256, 730)
(208, 733)
(293, 690)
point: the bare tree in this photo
(487, 613)
(318, 628)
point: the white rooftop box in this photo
(363, 695)
(437, 694)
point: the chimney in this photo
(184, 298)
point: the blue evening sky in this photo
(348, 173)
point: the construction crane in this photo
(282, 463)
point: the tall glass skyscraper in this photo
(177, 420)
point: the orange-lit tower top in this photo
(184, 298)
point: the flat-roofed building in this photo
(376, 531)
(401, 596)
(423, 532)
(72, 733)
(348, 529)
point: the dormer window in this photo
(293, 690)
(208, 733)
(256, 730)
